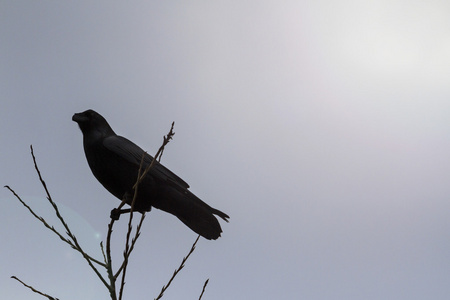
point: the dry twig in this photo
(33, 289)
(129, 247)
(72, 240)
(203, 290)
(164, 288)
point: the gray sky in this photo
(320, 127)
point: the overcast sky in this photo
(320, 127)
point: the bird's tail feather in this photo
(193, 212)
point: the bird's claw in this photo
(115, 214)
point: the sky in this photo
(320, 127)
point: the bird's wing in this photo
(133, 153)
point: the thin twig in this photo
(40, 218)
(166, 140)
(68, 231)
(112, 279)
(126, 255)
(164, 288)
(127, 251)
(133, 242)
(77, 246)
(33, 289)
(203, 290)
(103, 252)
(74, 246)
(129, 248)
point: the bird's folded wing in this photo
(133, 153)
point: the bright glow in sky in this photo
(321, 128)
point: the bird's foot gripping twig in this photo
(116, 212)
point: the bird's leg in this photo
(116, 212)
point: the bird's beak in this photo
(79, 118)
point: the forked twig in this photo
(77, 247)
(133, 242)
(127, 251)
(73, 242)
(129, 247)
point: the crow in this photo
(115, 162)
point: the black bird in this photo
(115, 162)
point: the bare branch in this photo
(33, 289)
(112, 279)
(103, 252)
(75, 244)
(129, 248)
(203, 290)
(133, 242)
(166, 140)
(127, 251)
(40, 218)
(164, 288)
(140, 177)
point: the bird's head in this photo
(91, 122)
